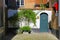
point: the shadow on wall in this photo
(10, 33)
(12, 4)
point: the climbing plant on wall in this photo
(29, 15)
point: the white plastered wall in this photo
(38, 12)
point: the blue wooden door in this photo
(43, 22)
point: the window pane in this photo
(22, 2)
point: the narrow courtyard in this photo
(34, 36)
(28, 15)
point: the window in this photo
(12, 4)
(21, 2)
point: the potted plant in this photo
(25, 29)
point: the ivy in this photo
(27, 14)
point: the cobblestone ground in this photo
(35, 36)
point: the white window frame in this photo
(20, 3)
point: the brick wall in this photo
(40, 1)
(29, 3)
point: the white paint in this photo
(46, 11)
(38, 12)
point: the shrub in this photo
(25, 28)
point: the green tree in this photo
(13, 19)
(29, 15)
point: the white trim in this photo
(20, 3)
